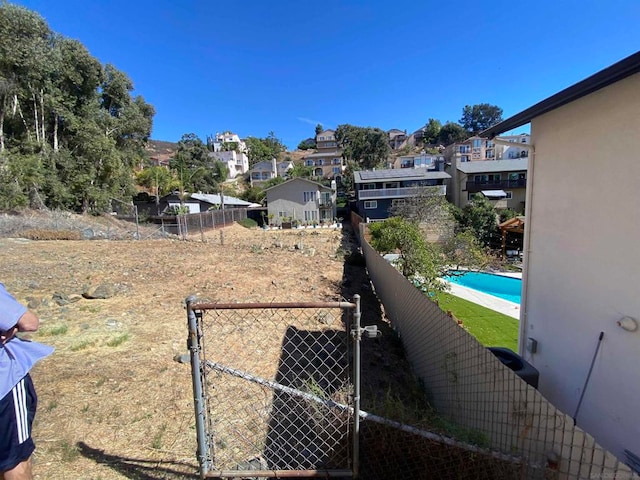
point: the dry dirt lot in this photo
(113, 403)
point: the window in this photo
(370, 204)
(310, 215)
(509, 195)
(320, 139)
(471, 195)
(465, 149)
(464, 158)
(398, 202)
(309, 196)
(368, 186)
(477, 143)
(491, 178)
(336, 161)
(282, 214)
(336, 169)
(309, 163)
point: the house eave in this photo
(616, 72)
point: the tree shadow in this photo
(139, 468)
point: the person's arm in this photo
(28, 322)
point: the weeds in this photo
(157, 439)
(118, 340)
(68, 452)
(76, 347)
(57, 330)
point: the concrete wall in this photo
(582, 267)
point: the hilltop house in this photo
(264, 171)
(230, 150)
(327, 160)
(580, 306)
(301, 200)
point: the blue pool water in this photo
(506, 288)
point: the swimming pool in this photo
(500, 286)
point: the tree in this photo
(476, 118)
(264, 149)
(70, 131)
(452, 133)
(368, 147)
(419, 261)
(193, 166)
(479, 216)
(319, 129)
(432, 131)
(307, 144)
(300, 170)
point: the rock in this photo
(102, 291)
(33, 303)
(73, 298)
(60, 298)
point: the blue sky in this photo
(257, 66)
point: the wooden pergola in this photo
(513, 225)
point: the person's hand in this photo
(8, 335)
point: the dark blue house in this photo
(378, 190)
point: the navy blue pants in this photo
(17, 410)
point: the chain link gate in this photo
(276, 387)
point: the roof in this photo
(214, 199)
(299, 180)
(489, 166)
(333, 153)
(365, 176)
(616, 72)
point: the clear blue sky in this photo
(256, 66)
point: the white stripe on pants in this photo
(20, 405)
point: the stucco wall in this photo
(289, 197)
(583, 264)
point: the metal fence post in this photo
(193, 345)
(356, 332)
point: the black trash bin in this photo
(519, 365)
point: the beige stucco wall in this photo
(583, 265)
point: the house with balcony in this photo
(265, 171)
(327, 161)
(580, 311)
(503, 182)
(517, 146)
(378, 190)
(397, 138)
(422, 160)
(301, 200)
(229, 149)
(474, 149)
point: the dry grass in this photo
(113, 403)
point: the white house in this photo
(581, 298)
(230, 150)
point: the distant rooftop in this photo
(487, 166)
(365, 176)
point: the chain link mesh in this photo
(277, 387)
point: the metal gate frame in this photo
(199, 366)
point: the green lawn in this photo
(492, 329)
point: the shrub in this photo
(248, 223)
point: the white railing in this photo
(400, 192)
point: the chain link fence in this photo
(274, 390)
(481, 401)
